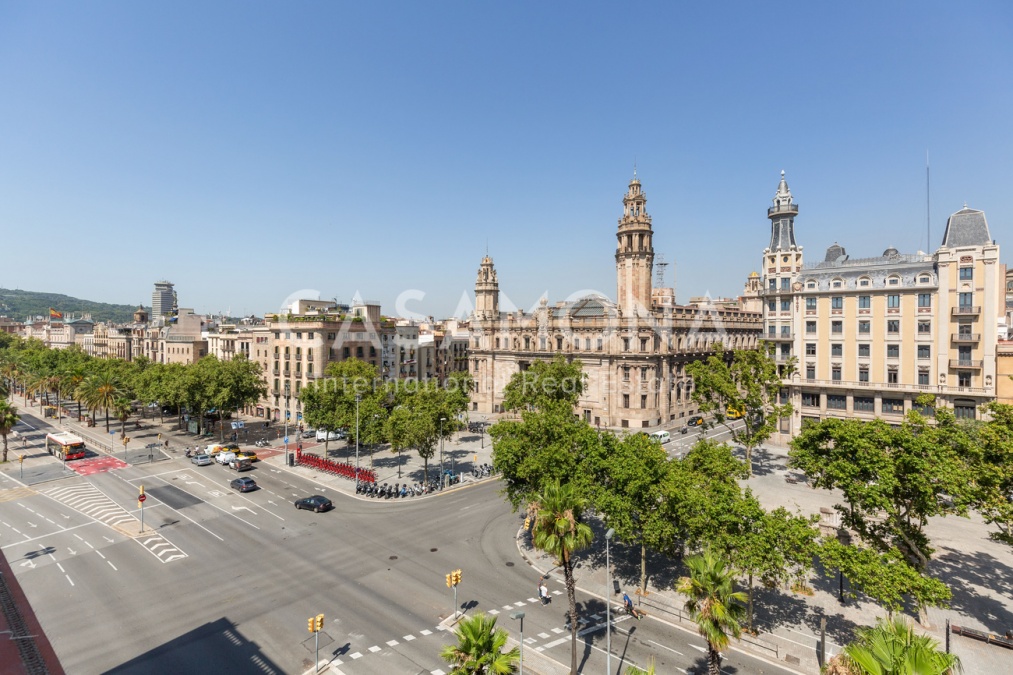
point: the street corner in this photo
(93, 465)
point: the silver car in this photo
(201, 459)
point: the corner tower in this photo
(782, 219)
(634, 253)
(486, 291)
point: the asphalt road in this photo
(225, 582)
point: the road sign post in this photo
(140, 504)
(21, 463)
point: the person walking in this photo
(543, 592)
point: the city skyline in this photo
(382, 151)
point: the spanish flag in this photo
(53, 314)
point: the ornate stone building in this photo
(871, 334)
(634, 351)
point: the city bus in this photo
(65, 445)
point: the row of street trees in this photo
(556, 466)
(406, 414)
(116, 388)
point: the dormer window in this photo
(864, 281)
(837, 283)
(811, 285)
(893, 281)
(924, 280)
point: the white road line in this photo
(112, 565)
(69, 579)
(61, 568)
(408, 638)
(100, 555)
(44, 536)
(664, 647)
(392, 643)
(426, 632)
(374, 649)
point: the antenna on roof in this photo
(660, 266)
(928, 218)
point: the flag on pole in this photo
(53, 314)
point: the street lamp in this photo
(608, 605)
(357, 399)
(442, 475)
(372, 447)
(520, 615)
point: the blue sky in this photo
(246, 151)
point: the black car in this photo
(243, 484)
(695, 421)
(315, 503)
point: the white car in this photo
(324, 435)
(224, 458)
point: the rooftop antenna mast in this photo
(660, 267)
(928, 218)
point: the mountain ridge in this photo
(19, 304)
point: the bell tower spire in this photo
(634, 253)
(782, 219)
(486, 291)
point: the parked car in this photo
(309, 433)
(324, 435)
(224, 458)
(214, 449)
(244, 484)
(316, 503)
(201, 459)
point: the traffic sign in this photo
(286, 439)
(288, 414)
(141, 498)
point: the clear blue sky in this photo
(248, 150)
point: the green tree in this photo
(623, 478)
(406, 428)
(237, 384)
(634, 670)
(745, 386)
(122, 409)
(892, 647)
(558, 530)
(8, 420)
(892, 479)
(713, 603)
(479, 648)
(101, 390)
(544, 383)
(989, 451)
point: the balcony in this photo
(965, 363)
(789, 208)
(966, 310)
(965, 337)
(779, 337)
(288, 356)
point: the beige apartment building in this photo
(870, 335)
(634, 351)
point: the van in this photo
(661, 436)
(241, 464)
(224, 458)
(733, 414)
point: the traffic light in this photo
(126, 439)
(140, 490)
(320, 622)
(160, 437)
(21, 459)
(312, 625)
(457, 577)
(527, 523)
(450, 580)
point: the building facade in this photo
(868, 336)
(163, 299)
(634, 351)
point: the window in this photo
(924, 352)
(835, 373)
(810, 327)
(893, 301)
(965, 300)
(643, 344)
(924, 327)
(864, 327)
(811, 285)
(587, 344)
(785, 284)
(626, 400)
(837, 283)
(785, 331)
(923, 378)
(626, 373)
(963, 378)
(559, 344)
(771, 305)
(863, 351)
(626, 344)
(786, 305)
(863, 373)
(837, 302)
(837, 350)
(924, 299)
(643, 374)
(836, 327)
(346, 352)
(782, 397)
(864, 301)
(772, 283)
(893, 351)
(864, 281)
(891, 376)
(893, 405)
(643, 401)
(893, 326)
(893, 281)
(810, 399)
(810, 303)
(810, 371)
(864, 404)
(298, 336)
(810, 349)
(964, 410)
(966, 273)
(599, 344)
(837, 402)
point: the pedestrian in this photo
(543, 592)
(24, 442)
(167, 444)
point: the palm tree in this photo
(713, 603)
(8, 419)
(101, 391)
(479, 648)
(72, 379)
(893, 647)
(558, 530)
(123, 410)
(634, 670)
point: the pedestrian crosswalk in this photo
(95, 504)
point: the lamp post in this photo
(520, 615)
(357, 399)
(442, 475)
(608, 605)
(372, 447)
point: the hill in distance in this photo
(18, 305)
